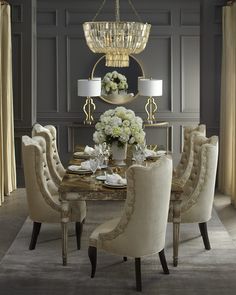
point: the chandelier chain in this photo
(117, 10)
(99, 10)
(135, 11)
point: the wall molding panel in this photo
(47, 17)
(190, 74)
(17, 13)
(190, 17)
(48, 92)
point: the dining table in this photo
(86, 187)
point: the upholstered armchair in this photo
(184, 167)
(55, 166)
(42, 193)
(141, 229)
(198, 192)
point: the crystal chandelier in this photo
(116, 39)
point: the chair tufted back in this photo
(199, 189)
(54, 163)
(40, 187)
(183, 169)
(142, 227)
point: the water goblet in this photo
(101, 159)
(94, 162)
(139, 153)
(106, 153)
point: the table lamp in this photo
(89, 88)
(150, 88)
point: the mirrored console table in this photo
(156, 134)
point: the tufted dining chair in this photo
(42, 193)
(198, 192)
(141, 229)
(55, 166)
(183, 169)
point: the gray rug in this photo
(40, 271)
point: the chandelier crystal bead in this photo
(117, 40)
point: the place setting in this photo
(80, 169)
(97, 159)
(113, 180)
(85, 154)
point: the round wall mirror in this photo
(126, 80)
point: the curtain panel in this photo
(7, 148)
(227, 160)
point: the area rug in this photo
(24, 272)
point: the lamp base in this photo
(151, 108)
(88, 108)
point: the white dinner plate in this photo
(112, 185)
(81, 155)
(78, 169)
(101, 177)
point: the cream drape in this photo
(227, 160)
(7, 149)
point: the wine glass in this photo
(106, 152)
(139, 153)
(94, 162)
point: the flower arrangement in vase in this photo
(114, 82)
(119, 127)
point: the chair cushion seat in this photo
(102, 228)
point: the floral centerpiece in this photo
(114, 82)
(119, 125)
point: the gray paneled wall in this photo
(172, 54)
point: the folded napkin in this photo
(150, 153)
(88, 150)
(85, 165)
(115, 179)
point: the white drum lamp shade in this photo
(150, 87)
(89, 88)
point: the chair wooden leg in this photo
(138, 274)
(204, 234)
(34, 236)
(125, 258)
(163, 261)
(78, 230)
(92, 253)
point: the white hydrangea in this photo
(121, 125)
(114, 81)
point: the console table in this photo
(156, 134)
